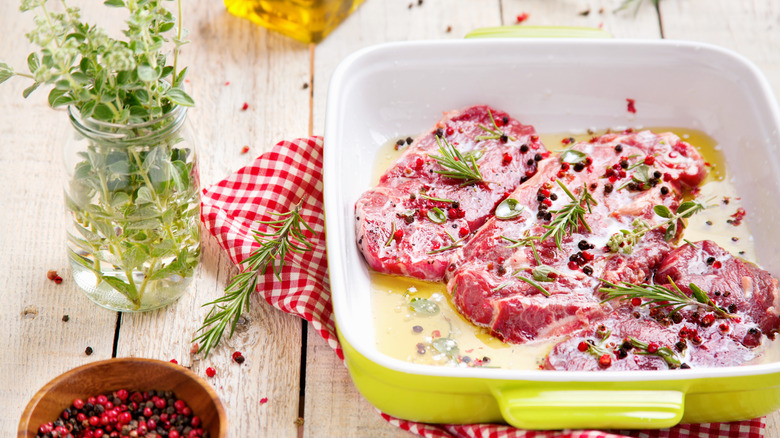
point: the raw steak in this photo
(696, 336)
(626, 174)
(393, 228)
(662, 344)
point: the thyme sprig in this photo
(455, 164)
(625, 240)
(107, 79)
(568, 219)
(495, 133)
(284, 235)
(659, 296)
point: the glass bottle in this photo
(133, 193)
(308, 21)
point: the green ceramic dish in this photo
(393, 90)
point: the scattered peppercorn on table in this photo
(253, 88)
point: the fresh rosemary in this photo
(625, 240)
(431, 198)
(284, 235)
(659, 296)
(568, 219)
(534, 284)
(495, 133)
(455, 164)
(525, 241)
(665, 353)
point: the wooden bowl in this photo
(133, 374)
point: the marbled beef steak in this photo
(497, 281)
(411, 223)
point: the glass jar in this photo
(133, 193)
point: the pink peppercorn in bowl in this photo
(135, 376)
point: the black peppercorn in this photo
(88, 351)
(524, 148)
(619, 148)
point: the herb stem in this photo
(287, 235)
(178, 40)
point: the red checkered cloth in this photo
(291, 173)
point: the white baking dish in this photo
(392, 90)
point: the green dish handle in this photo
(576, 409)
(538, 32)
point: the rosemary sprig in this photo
(665, 353)
(534, 284)
(431, 198)
(625, 240)
(455, 165)
(495, 132)
(392, 235)
(525, 241)
(285, 234)
(455, 244)
(567, 220)
(659, 296)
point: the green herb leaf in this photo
(33, 62)
(663, 211)
(423, 306)
(114, 3)
(179, 97)
(447, 346)
(509, 208)
(572, 156)
(27, 91)
(436, 215)
(543, 272)
(5, 72)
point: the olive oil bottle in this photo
(308, 21)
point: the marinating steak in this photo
(525, 288)
(734, 284)
(411, 223)
(576, 248)
(723, 328)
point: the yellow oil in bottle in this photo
(308, 21)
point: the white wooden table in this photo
(285, 84)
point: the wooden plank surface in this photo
(231, 62)
(36, 345)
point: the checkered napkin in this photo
(291, 173)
